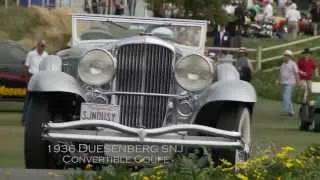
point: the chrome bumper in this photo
(110, 132)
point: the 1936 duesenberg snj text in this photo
(133, 87)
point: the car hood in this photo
(81, 49)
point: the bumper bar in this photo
(120, 134)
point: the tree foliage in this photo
(196, 9)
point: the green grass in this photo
(269, 129)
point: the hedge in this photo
(272, 164)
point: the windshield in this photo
(186, 35)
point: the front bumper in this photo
(110, 133)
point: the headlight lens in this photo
(97, 67)
(194, 72)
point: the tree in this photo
(195, 9)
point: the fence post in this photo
(29, 3)
(6, 3)
(259, 58)
(18, 3)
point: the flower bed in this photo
(273, 164)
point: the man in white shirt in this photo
(35, 57)
(32, 64)
(293, 16)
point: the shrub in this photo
(273, 164)
(26, 25)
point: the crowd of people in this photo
(100, 6)
(285, 17)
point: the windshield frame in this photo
(147, 20)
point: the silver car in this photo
(135, 91)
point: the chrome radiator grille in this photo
(143, 68)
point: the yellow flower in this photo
(225, 163)
(52, 174)
(146, 178)
(265, 157)
(227, 169)
(242, 177)
(158, 167)
(88, 167)
(282, 155)
(279, 178)
(288, 164)
(318, 157)
(79, 178)
(288, 149)
(299, 162)
(242, 165)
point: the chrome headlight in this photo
(97, 67)
(194, 72)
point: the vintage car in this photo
(12, 71)
(142, 93)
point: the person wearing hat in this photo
(289, 77)
(307, 66)
(32, 64)
(244, 65)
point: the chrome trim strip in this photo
(137, 140)
(140, 131)
(140, 94)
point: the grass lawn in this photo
(269, 129)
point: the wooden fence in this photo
(259, 52)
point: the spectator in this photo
(282, 7)
(119, 6)
(254, 10)
(87, 7)
(288, 6)
(244, 65)
(307, 66)
(157, 12)
(94, 5)
(293, 16)
(35, 57)
(315, 16)
(104, 6)
(239, 13)
(221, 37)
(32, 63)
(289, 76)
(267, 9)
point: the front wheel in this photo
(35, 148)
(237, 118)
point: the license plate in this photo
(104, 112)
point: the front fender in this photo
(229, 90)
(50, 81)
